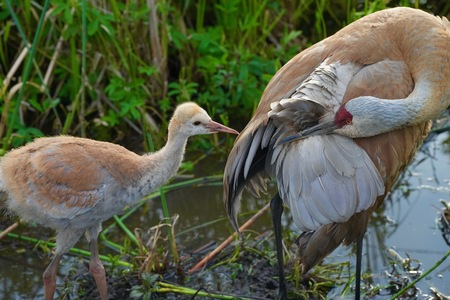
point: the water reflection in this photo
(19, 275)
(408, 220)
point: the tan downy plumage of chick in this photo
(73, 184)
(338, 124)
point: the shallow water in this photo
(409, 221)
(407, 224)
(414, 210)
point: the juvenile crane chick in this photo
(73, 184)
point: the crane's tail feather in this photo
(314, 246)
(245, 167)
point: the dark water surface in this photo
(407, 224)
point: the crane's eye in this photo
(196, 123)
(343, 117)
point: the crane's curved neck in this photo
(373, 116)
(393, 114)
(159, 167)
(424, 46)
(168, 159)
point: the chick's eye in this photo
(196, 123)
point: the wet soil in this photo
(250, 275)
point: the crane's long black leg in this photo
(276, 208)
(359, 245)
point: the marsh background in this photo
(115, 70)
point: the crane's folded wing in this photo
(336, 180)
(67, 181)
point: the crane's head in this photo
(361, 117)
(190, 119)
(342, 118)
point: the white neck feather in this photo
(168, 159)
(159, 167)
(373, 116)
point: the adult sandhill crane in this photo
(337, 125)
(74, 184)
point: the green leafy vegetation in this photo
(113, 69)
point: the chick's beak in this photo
(319, 129)
(217, 127)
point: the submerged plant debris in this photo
(444, 221)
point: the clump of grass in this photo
(153, 256)
(318, 283)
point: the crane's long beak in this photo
(217, 127)
(319, 129)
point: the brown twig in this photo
(228, 240)
(8, 230)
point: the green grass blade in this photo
(126, 230)
(27, 68)
(83, 67)
(171, 288)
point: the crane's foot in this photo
(282, 293)
(276, 207)
(359, 245)
(98, 271)
(49, 277)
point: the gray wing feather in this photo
(323, 182)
